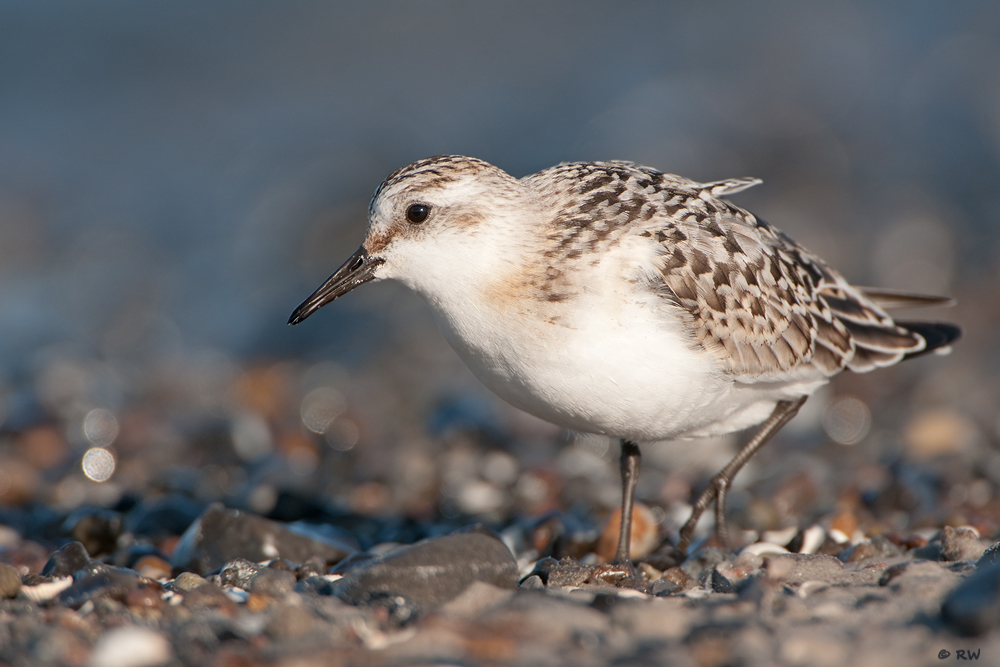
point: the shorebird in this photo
(614, 299)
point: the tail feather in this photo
(891, 299)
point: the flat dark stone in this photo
(67, 560)
(973, 607)
(107, 582)
(429, 573)
(221, 535)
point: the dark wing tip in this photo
(938, 335)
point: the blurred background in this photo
(176, 177)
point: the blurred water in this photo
(176, 177)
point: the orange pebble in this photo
(645, 535)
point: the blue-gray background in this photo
(209, 162)
(175, 177)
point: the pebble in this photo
(645, 535)
(45, 590)
(273, 583)
(973, 607)
(990, 556)
(795, 569)
(209, 596)
(10, 581)
(315, 585)
(926, 578)
(131, 646)
(878, 547)
(108, 582)
(567, 573)
(761, 548)
(717, 582)
(291, 624)
(67, 560)
(220, 535)
(238, 572)
(96, 529)
(169, 515)
(152, 566)
(663, 587)
(431, 572)
(961, 543)
(188, 581)
(474, 600)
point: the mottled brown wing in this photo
(764, 306)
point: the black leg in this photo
(631, 458)
(717, 488)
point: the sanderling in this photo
(614, 299)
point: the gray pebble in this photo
(429, 573)
(188, 581)
(796, 568)
(960, 544)
(568, 572)
(273, 583)
(220, 535)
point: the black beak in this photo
(359, 269)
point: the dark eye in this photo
(417, 213)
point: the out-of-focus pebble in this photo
(169, 515)
(46, 590)
(429, 573)
(152, 566)
(188, 581)
(238, 572)
(273, 583)
(812, 538)
(67, 560)
(761, 548)
(220, 535)
(782, 537)
(973, 607)
(107, 582)
(877, 547)
(96, 529)
(961, 543)
(939, 432)
(645, 535)
(990, 556)
(843, 526)
(131, 646)
(797, 568)
(10, 581)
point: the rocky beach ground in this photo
(273, 514)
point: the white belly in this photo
(627, 373)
